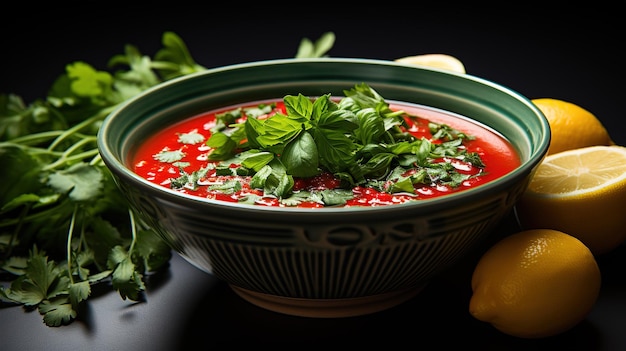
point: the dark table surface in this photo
(569, 54)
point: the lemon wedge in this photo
(441, 61)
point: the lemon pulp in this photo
(581, 192)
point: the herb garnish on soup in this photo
(299, 151)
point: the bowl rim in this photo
(499, 185)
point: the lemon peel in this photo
(571, 125)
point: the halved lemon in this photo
(581, 192)
(442, 61)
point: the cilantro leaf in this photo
(20, 172)
(151, 251)
(88, 82)
(83, 182)
(192, 137)
(174, 59)
(57, 312)
(55, 192)
(169, 156)
(125, 278)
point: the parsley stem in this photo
(42, 214)
(78, 144)
(36, 151)
(133, 230)
(79, 126)
(36, 138)
(69, 243)
(63, 160)
(97, 160)
(18, 228)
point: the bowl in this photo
(333, 261)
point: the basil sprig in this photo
(358, 138)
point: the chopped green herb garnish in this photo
(359, 139)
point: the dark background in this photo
(566, 52)
(573, 54)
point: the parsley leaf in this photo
(56, 194)
(169, 156)
(192, 137)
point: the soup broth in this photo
(422, 153)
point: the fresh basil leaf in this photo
(298, 107)
(257, 160)
(371, 126)
(279, 130)
(300, 156)
(223, 147)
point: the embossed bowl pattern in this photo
(330, 262)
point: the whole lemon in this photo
(535, 284)
(571, 125)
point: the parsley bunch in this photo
(64, 225)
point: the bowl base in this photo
(327, 308)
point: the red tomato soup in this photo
(179, 157)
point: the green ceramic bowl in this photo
(329, 262)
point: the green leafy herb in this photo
(169, 155)
(190, 138)
(64, 225)
(359, 139)
(319, 48)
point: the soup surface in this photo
(300, 151)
